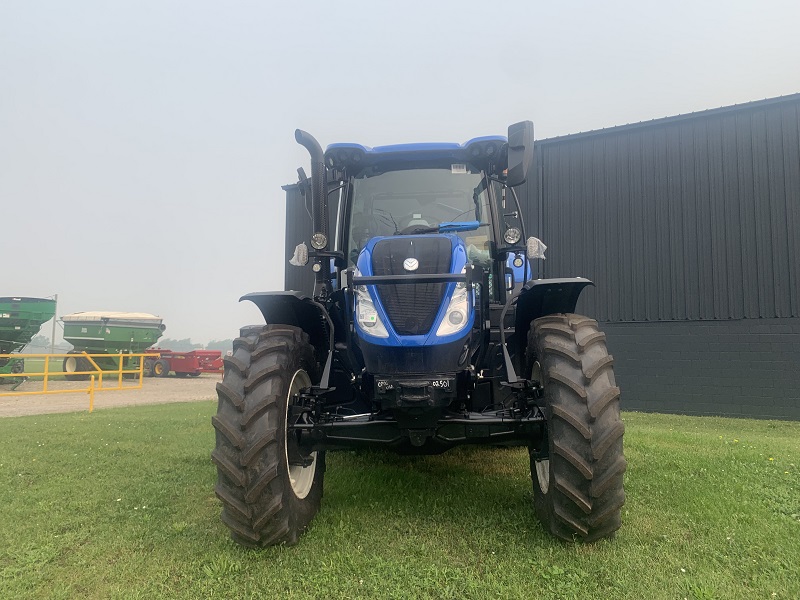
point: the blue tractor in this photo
(425, 330)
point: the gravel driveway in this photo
(157, 390)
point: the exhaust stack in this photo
(319, 197)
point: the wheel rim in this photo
(70, 365)
(536, 372)
(301, 478)
(543, 474)
(542, 466)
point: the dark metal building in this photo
(690, 228)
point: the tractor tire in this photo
(18, 367)
(161, 368)
(147, 368)
(194, 374)
(181, 374)
(265, 500)
(76, 363)
(578, 485)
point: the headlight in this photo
(367, 317)
(512, 235)
(319, 240)
(455, 319)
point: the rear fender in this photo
(299, 310)
(541, 297)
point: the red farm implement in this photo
(183, 364)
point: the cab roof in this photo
(480, 150)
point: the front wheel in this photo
(269, 485)
(577, 474)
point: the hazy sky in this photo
(143, 144)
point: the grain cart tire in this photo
(161, 368)
(147, 368)
(265, 499)
(76, 363)
(578, 488)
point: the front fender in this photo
(541, 297)
(287, 308)
(299, 310)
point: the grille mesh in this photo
(411, 307)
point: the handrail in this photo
(95, 374)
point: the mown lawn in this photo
(120, 504)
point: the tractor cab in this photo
(430, 189)
(418, 225)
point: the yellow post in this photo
(46, 371)
(91, 395)
(90, 358)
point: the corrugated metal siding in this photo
(691, 217)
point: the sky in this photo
(143, 144)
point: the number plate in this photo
(387, 385)
(442, 384)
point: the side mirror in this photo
(520, 152)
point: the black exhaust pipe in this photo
(319, 197)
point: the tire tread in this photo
(585, 495)
(259, 507)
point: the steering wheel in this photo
(412, 223)
(416, 228)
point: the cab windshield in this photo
(401, 202)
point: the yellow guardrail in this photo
(96, 374)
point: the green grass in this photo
(119, 504)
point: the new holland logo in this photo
(411, 264)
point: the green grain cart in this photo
(111, 333)
(20, 320)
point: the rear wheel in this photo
(147, 368)
(160, 368)
(76, 363)
(269, 486)
(577, 483)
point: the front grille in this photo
(411, 307)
